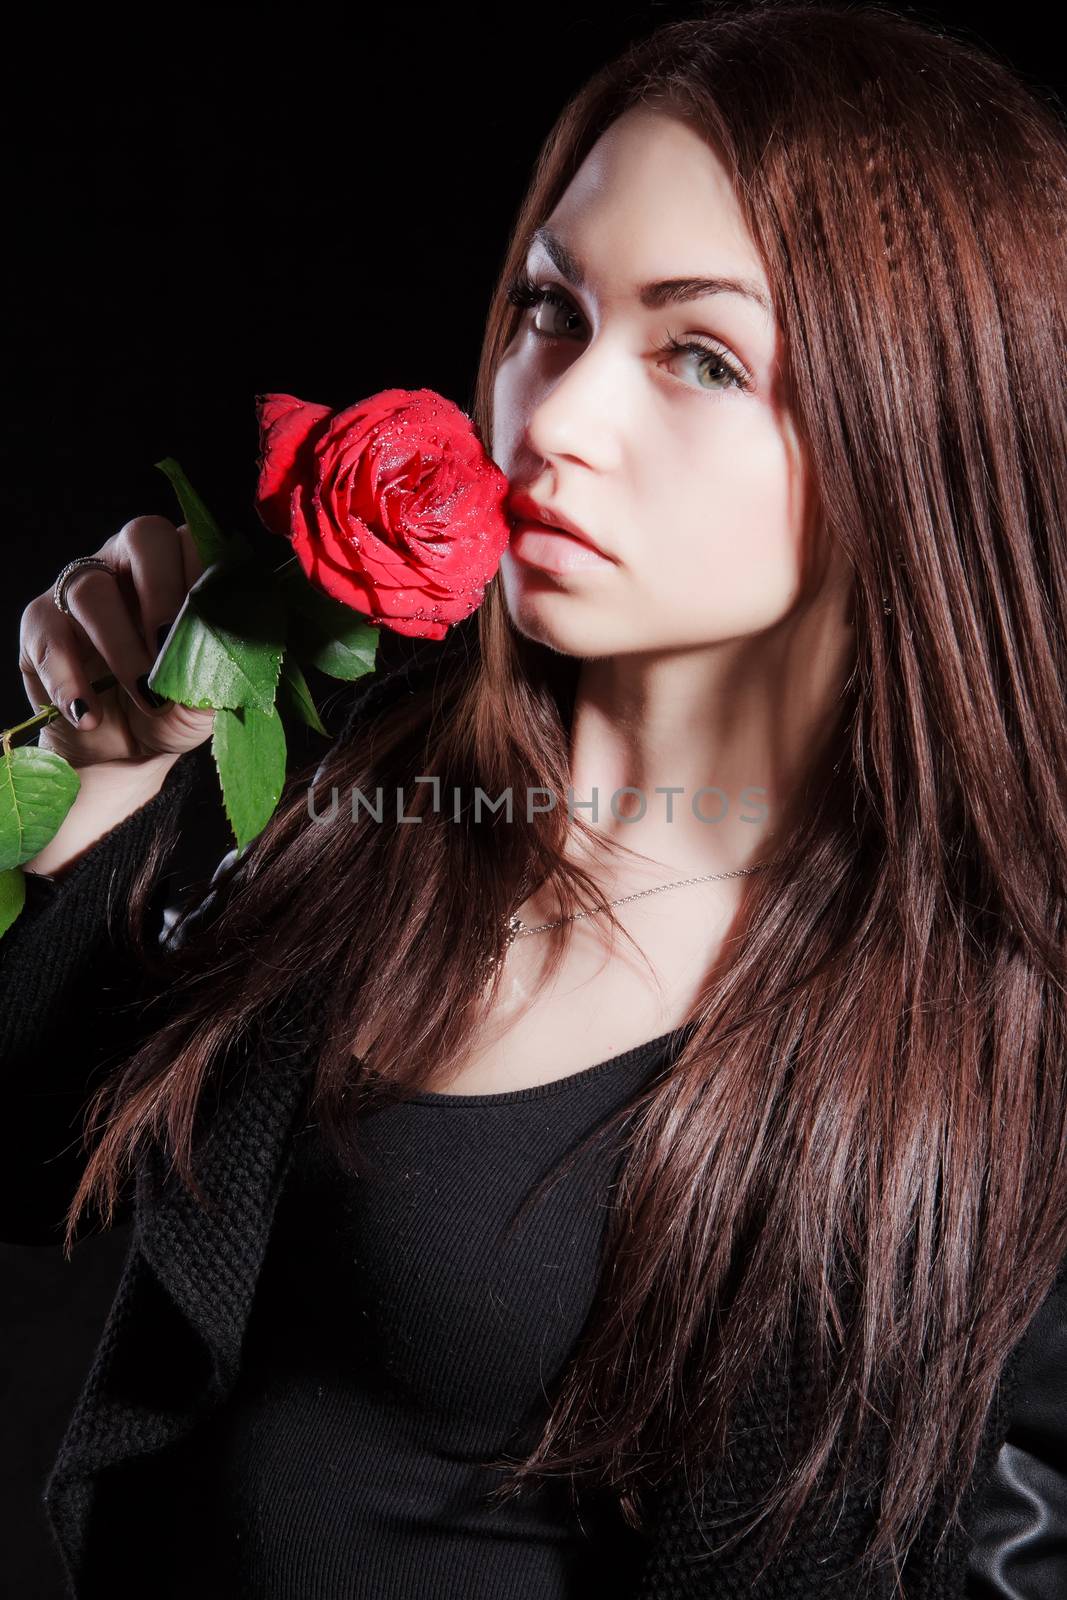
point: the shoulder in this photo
(413, 666)
(405, 674)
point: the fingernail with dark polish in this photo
(153, 699)
(161, 634)
(78, 708)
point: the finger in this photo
(36, 693)
(192, 564)
(156, 577)
(97, 602)
(55, 670)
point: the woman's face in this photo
(679, 465)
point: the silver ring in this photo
(63, 582)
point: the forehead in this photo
(653, 199)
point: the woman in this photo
(796, 654)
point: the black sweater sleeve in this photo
(70, 983)
(73, 988)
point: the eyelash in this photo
(524, 293)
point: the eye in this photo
(724, 372)
(523, 292)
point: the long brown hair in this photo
(864, 1137)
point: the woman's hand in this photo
(113, 629)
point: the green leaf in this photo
(295, 694)
(211, 543)
(329, 636)
(249, 751)
(12, 896)
(226, 646)
(37, 789)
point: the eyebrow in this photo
(653, 296)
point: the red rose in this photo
(391, 505)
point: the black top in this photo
(400, 1338)
(172, 1350)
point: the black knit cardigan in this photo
(170, 1349)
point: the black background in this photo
(202, 207)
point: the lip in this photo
(526, 511)
(536, 544)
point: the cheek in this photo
(506, 420)
(727, 522)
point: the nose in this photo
(579, 413)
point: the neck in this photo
(743, 721)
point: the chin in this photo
(551, 613)
(566, 636)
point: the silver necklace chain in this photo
(516, 928)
